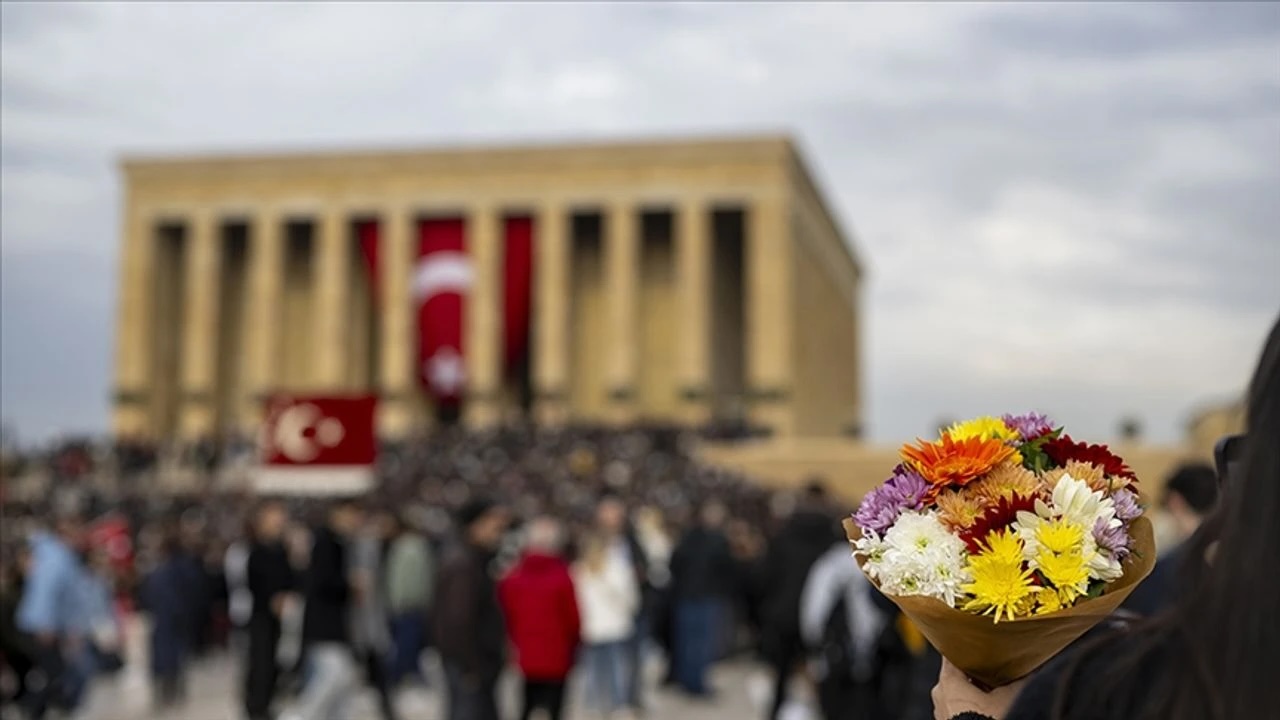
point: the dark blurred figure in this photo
(541, 610)
(841, 626)
(1189, 497)
(410, 580)
(328, 596)
(620, 539)
(807, 534)
(268, 580)
(371, 632)
(467, 619)
(702, 575)
(16, 647)
(166, 596)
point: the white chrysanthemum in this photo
(1075, 502)
(917, 556)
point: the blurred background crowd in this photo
(609, 555)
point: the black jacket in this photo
(467, 620)
(702, 566)
(327, 591)
(267, 575)
(806, 536)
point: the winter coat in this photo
(608, 598)
(327, 591)
(702, 566)
(168, 601)
(410, 575)
(467, 621)
(541, 608)
(804, 539)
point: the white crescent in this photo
(440, 272)
(289, 432)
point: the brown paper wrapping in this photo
(999, 653)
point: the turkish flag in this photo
(318, 444)
(442, 279)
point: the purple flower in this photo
(1112, 539)
(1126, 503)
(1029, 426)
(881, 507)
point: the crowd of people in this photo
(584, 552)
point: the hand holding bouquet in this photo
(1004, 540)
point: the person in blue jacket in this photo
(51, 611)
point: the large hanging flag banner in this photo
(317, 445)
(442, 278)
(367, 234)
(517, 297)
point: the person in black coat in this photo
(702, 579)
(1214, 652)
(270, 580)
(467, 621)
(328, 596)
(807, 534)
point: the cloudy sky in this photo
(1069, 207)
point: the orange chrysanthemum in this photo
(954, 463)
(957, 510)
(1087, 473)
(1004, 481)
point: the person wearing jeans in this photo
(469, 629)
(329, 660)
(702, 575)
(409, 574)
(608, 596)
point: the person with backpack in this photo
(840, 626)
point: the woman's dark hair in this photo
(1213, 655)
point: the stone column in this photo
(131, 413)
(551, 309)
(483, 330)
(622, 273)
(333, 283)
(770, 293)
(266, 288)
(200, 326)
(395, 374)
(693, 280)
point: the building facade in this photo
(677, 281)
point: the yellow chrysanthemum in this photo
(1005, 480)
(983, 428)
(958, 510)
(1001, 585)
(1085, 472)
(1060, 536)
(1047, 602)
(1067, 572)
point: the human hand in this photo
(955, 693)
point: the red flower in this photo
(997, 517)
(1063, 450)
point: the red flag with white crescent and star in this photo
(317, 444)
(442, 279)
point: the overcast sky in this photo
(1074, 207)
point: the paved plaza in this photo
(215, 695)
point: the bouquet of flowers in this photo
(1004, 541)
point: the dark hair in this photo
(815, 490)
(1197, 484)
(1212, 654)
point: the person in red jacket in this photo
(538, 600)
